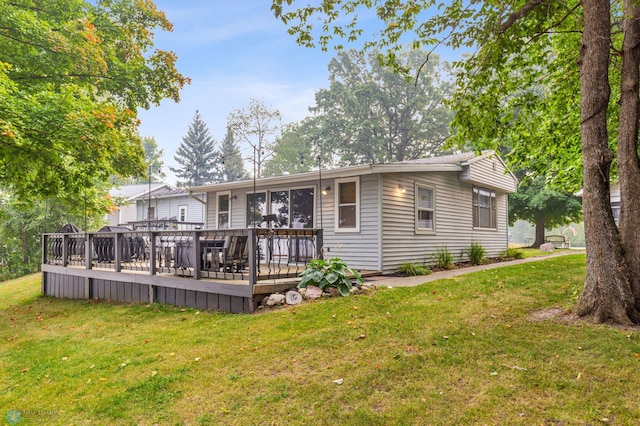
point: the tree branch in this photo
(515, 16)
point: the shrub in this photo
(512, 253)
(412, 269)
(444, 258)
(476, 253)
(325, 273)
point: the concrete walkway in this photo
(391, 281)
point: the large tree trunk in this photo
(628, 165)
(539, 233)
(607, 294)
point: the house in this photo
(178, 206)
(124, 196)
(615, 201)
(260, 233)
(377, 216)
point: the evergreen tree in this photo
(196, 156)
(231, 165)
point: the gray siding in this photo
(361, 250)
(492, 173)
(453, 220)
(168, 207)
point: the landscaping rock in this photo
(276, 299)
(547, 247)
(313, 292)
(293, 298)
(265, 300)
(333, 292)
(303, 292)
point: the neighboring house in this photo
(615, 202)
(125, 196)
(170, 203)
(375, 217)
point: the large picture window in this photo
(425, 208)
(347, 205)
(484, 208)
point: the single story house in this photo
(124, 197)
(378, 216)
(175, 205)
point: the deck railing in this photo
(232, 254)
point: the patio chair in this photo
(235, 253)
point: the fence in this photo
(225, 262)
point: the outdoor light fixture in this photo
(401, 189)
(326, 190)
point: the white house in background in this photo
(173, 204)
(615, 201)
(375, 217)
(125, 196)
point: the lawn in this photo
(459, 351)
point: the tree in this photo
(293, 152)
(371, 114)
(72, 75)
(543, 206)
(258, 126)
(153, 162)
(196, 155)
(526, 54)
(231, 165)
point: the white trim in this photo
(337, 183)
(432, 188)
(218, 194)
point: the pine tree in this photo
(196, 156)
(231, 166)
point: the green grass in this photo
(459, 351)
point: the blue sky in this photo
(232, 51)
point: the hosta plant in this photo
(326, 273)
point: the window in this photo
(182, 213)
(347, 205)
(484, 208)
(280, 207)
(256, 209)
(425, 208)
(151, 212)
(223, 211)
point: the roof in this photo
(129, 192)
(170, 193)
(443, 163)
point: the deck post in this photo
(118, 252)
(43, 284)
(88, 264)
(197, 257)
(253, 256)
(152, 253)
(88, 251)
(319, 243)
(65, 250)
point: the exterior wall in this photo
(490, 172)
(453, 220)
(361, 250)
(123, 215)
(168, 207)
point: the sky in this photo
(233, 51)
